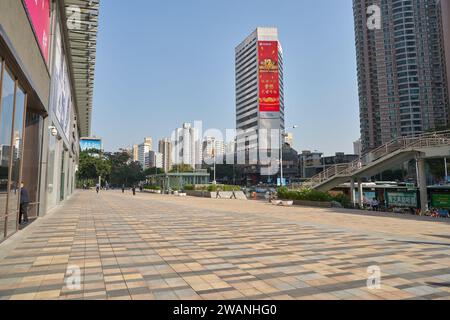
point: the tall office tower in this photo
(143, 150)
(187, 146)
(155, 160)
(259, 90)
(357, 147)
(135, 155)
(165, 148)
(401, 77)
(213, 147)
(444, 14)
(289, 139)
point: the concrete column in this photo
(361, 193)
(352, 191)
(422, 181)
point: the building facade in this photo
(143, 152)
(155, 160)
(444, 15)
(259, 97)
(401, 74)
(165, 148)
(135, 153)
(187, 146)
(213, 148)
(47, 64)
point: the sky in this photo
(163, 63)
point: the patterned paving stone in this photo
(115, 246)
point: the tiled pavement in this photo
(160, 247)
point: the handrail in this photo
(400, 143)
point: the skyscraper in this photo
(259, 90)
(213, 147)
(135, 152)
(143, 152)
(187, 146)
(444, 14)
(401, 74)
(165, 148)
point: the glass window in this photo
(13, 201)
(2, 195)
(6, 119)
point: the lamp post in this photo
(283, 135)
(213, 141)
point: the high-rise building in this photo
(401, 74)
(357, 147)
(259, 91)
(289, 139)
(155, 160)
(135, 154)
(187, 146)
(143, 150)
(213, 147)
(165, 148)
(444, 14)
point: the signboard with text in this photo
(441, 201)
(402, 199)
(269, 78)
(39, 13)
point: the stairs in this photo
(376, 161)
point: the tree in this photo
(153, 171)
(92, 165)
(123, 170)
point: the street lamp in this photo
(213, 141)
(283, 135)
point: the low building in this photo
(178, 180)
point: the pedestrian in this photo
(141, 188)
(123, 188)
(233, 195)
(24, 202)
(97, 188)
(375, 204)
(218, 194)
(134, 190)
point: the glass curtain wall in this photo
(12, 108)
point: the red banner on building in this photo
(39, 12)
(269, 78)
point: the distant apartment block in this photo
(401, 70)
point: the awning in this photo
(82, 28)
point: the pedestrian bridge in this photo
(395, 152)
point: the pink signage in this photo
(39, 12)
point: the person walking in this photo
(218, 196)
(123, 188)
(233, 195)
(24, 202)
(134, 190)
(97, 188)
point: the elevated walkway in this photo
(395, 152)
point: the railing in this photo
(401, 143)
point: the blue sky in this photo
(162, 63)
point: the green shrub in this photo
(221, 187)
(152, 187)
(304, 195)
(312, 195)
(189, 187)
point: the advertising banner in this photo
(269, 78)
(61, 96)
(39, 13)
(90, 144)
(402, 199)
(441, 201)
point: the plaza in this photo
(152, 246)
